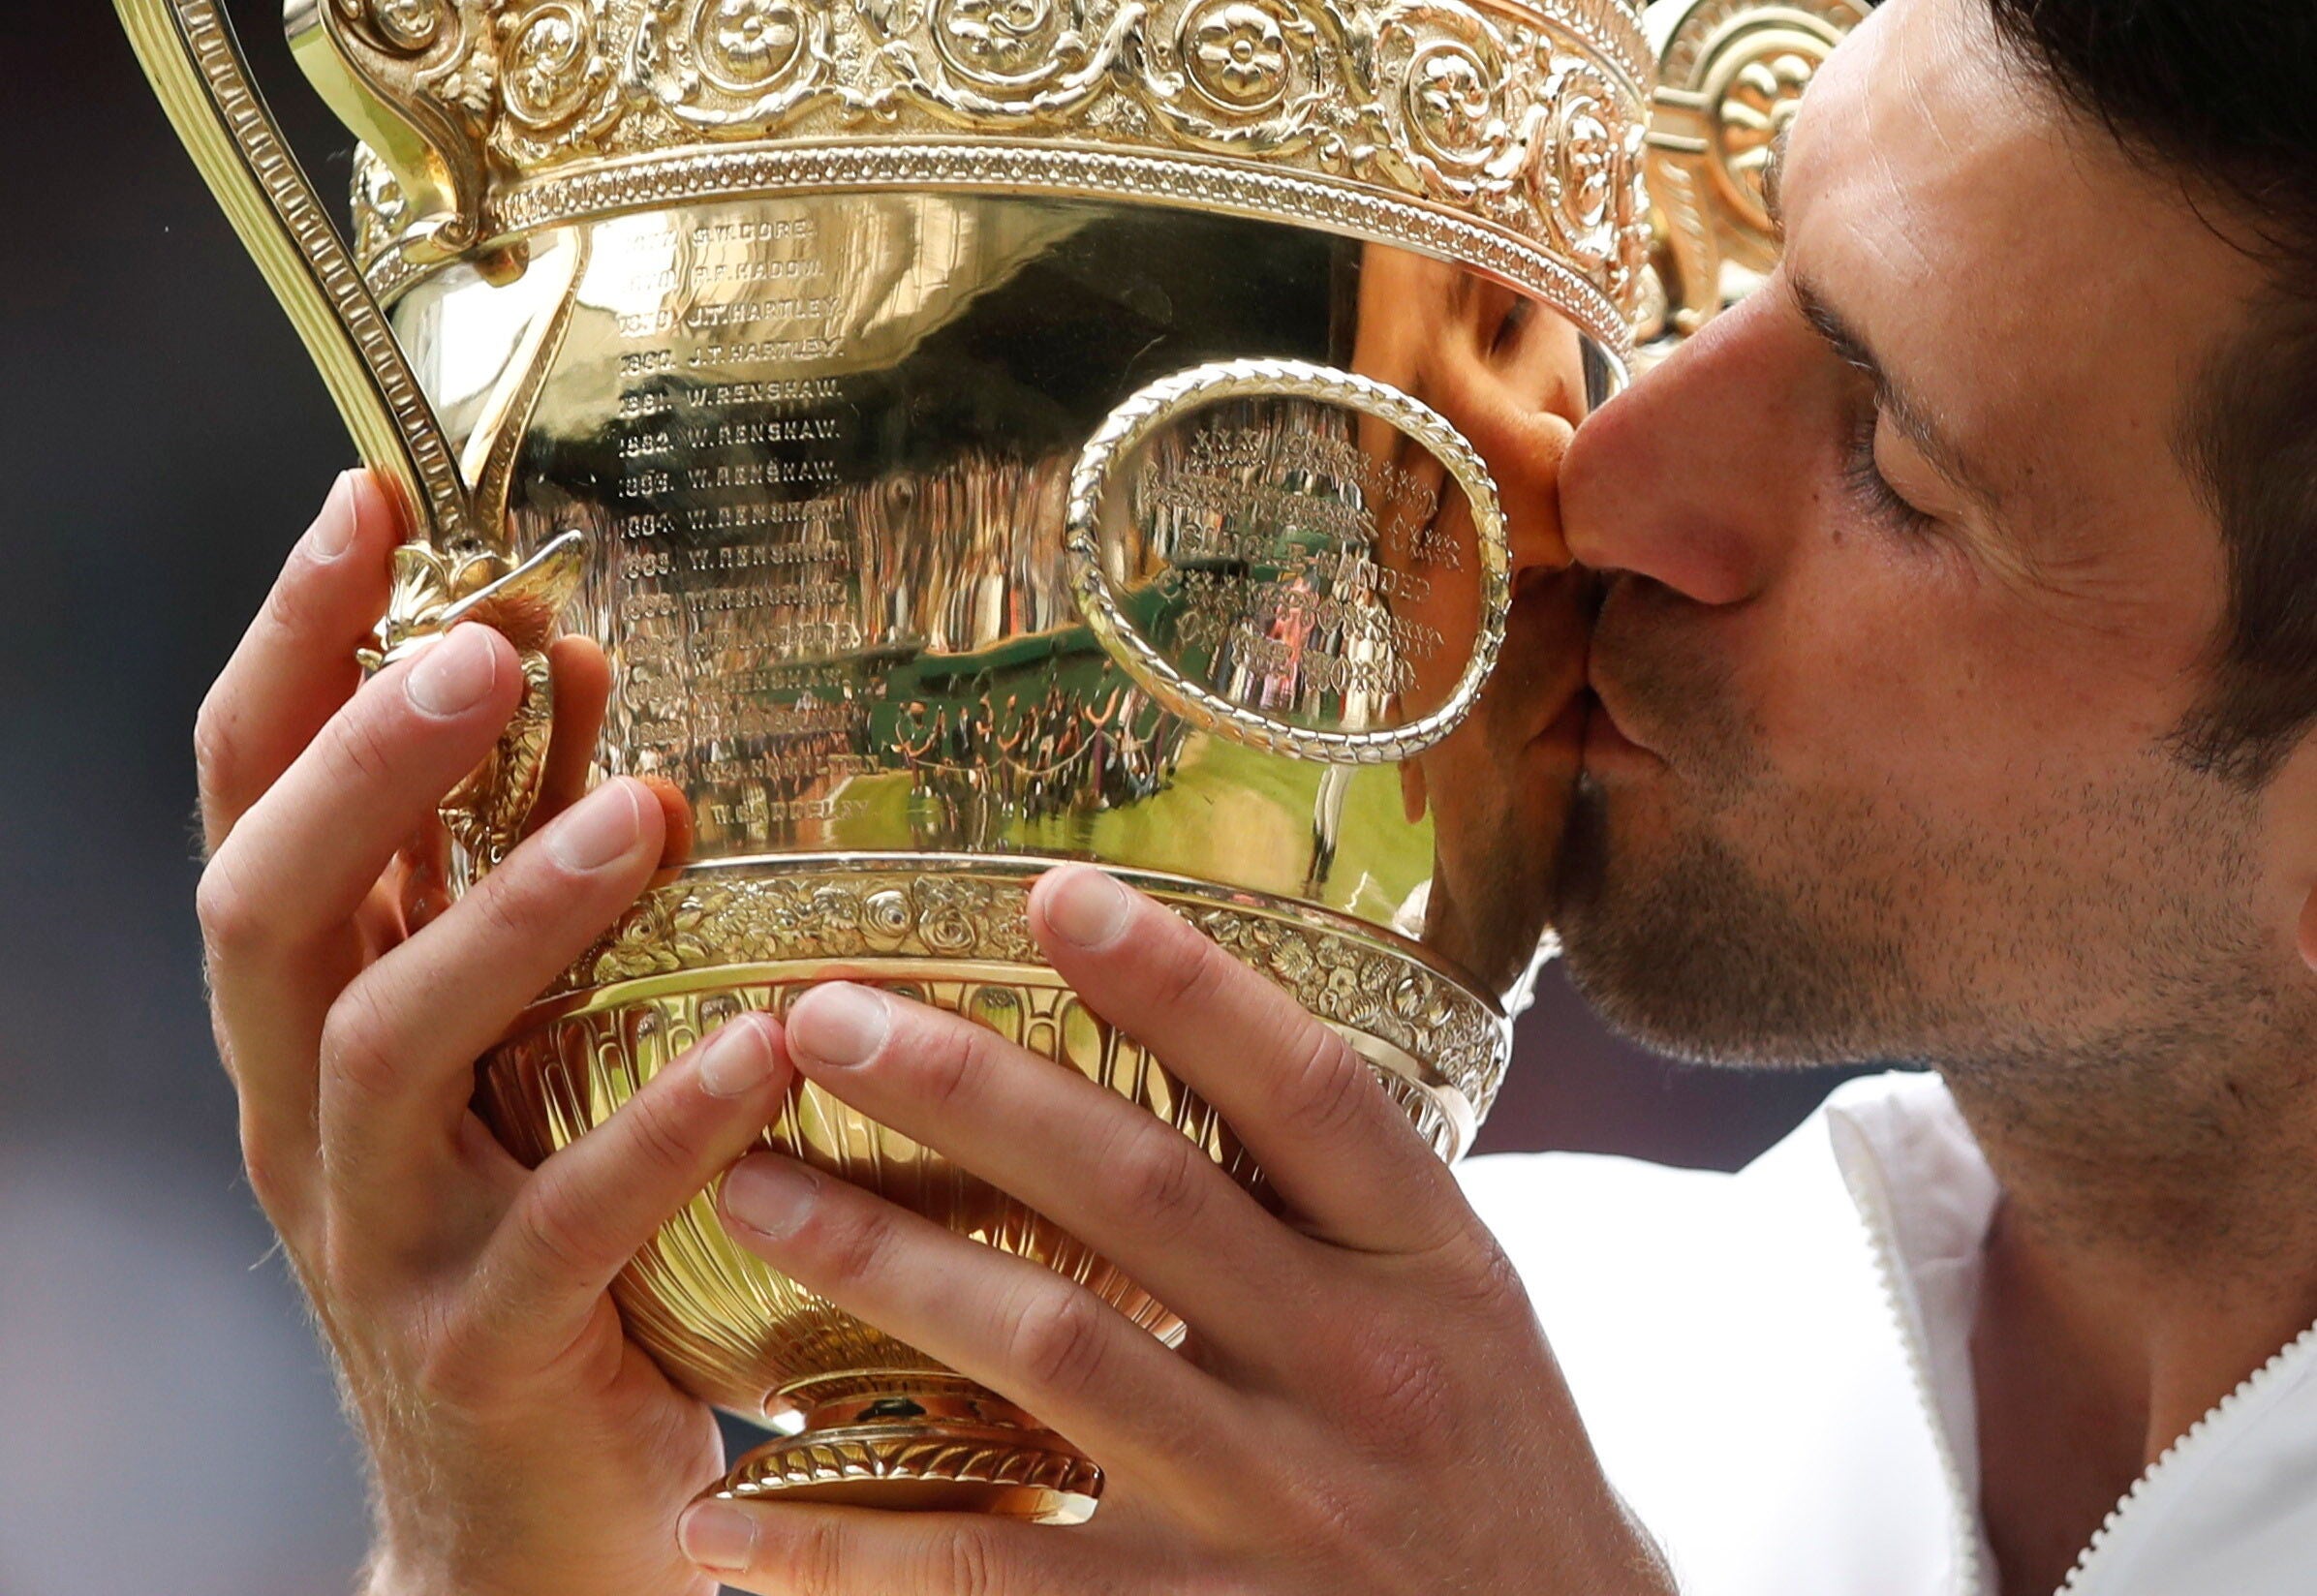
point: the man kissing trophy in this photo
(921, 445)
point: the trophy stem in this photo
(915, 1440)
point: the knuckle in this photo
(815, 1557)
(1155, 1175)
(530, 898)
(1058, 1337)
(232, 919)
(656, 1134)
(953, 1065)
(215, 750)
(1326, 1085)
(1322, 1513)
(962, 1564)
(294, 604)
(1192, 971)
(852, 1246)
(275, 1174)
(360, 1050)
(1401, 1391)
(552, 1232)
(360, 749)
(1485, 1281)
(451, 1362)
(513, 904)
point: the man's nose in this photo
(1693, 477)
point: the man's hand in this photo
(520, 1443)
(1367, 1404)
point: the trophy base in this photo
(924, 1447)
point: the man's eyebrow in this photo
(1892, 396)
(1774, 170)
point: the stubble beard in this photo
(1697, 955)
(2093, 984)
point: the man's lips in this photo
(1567, 729)
(1607, 743)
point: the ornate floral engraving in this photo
(1454, 97)
(987, 63)
(398, 27)
(556, 83)
(1591, 190)
(1756, 103)
(713, 65)
(1237, 53)
(746, 47)
(811, 913)
(382, 212)
(1366, 987)
(1454, 109)
(434, 63)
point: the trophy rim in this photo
(1458, 1061)
(980, 167)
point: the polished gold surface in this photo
(978, 435)
(915, 578)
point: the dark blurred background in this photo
(166, 1423)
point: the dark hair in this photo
(2224, 92)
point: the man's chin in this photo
(1683, 950)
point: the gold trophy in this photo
(979, 434)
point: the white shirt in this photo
(1784, 1394)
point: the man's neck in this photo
(2133, 1277)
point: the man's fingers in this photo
(400, 1044)
(584, 1214)
(1121, 1180)
(1017, 1326)
(295, 665)
(306, 854)
(1336, 1146)
(582, 679)
(801, 1549)
(280, 901)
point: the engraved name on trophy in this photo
(978, 433)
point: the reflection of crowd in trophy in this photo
(999, 754)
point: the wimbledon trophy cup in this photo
(978, 434)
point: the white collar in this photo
(2229, 1507)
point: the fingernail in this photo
(718, 1535)
(600, 829)
(839, 1024)
(454, 675)
(332, 534)
(736, 1059)
(770, 1195)
(1088, 908)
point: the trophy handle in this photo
(1157, 674)
(188, 50)
(1730, 79)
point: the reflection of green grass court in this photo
(1230, 813)
(1224, 811)
(1245, 817)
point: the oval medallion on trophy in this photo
(1294, 557)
